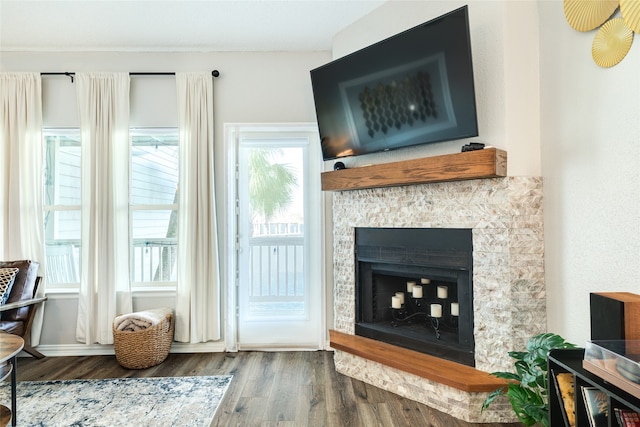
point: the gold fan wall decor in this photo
(630, 10)
(613, 40)
(587, 15)
(611, 43)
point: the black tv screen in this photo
(413, 88)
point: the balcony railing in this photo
(276, 269)
(153, 261)
(276, 264)
(63, 261)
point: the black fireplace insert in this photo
(414, 289)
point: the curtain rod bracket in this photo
(70, 75)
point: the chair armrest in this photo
(20, 304)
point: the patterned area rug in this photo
(139, 402)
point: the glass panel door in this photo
(279, 286)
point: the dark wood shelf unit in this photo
(486, 163)
(570, 360)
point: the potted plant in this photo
(527, 389)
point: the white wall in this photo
(504, 44)
(252, 88)
(505, 61)
(541, 97)
(590, 143)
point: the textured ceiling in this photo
(177, 25)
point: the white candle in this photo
(425, 281)
(401, 296)
(436, 310)
(417, 291)
(410, 286)
(395, 302)
(455, 310)
(442, 292)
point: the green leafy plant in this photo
(271, 184)
(527, 389)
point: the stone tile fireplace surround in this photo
(506, 218)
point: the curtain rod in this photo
(214, 73)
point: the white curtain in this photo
(21, 154)
(105, 290)
(198, 296)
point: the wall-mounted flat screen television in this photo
(413, 88)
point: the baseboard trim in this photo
(105, 350)
(272, 348)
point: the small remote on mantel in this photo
(472, 146)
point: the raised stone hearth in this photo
(506, 219)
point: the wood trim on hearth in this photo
(461, 377)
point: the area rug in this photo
(140, 402)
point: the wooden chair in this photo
(16, 315)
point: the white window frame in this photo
(147, 285)
(74, 263)
(233, 132)
(51, 208)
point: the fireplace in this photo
(505, 219)
(414, 289)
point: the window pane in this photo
(62, 206)
(154, 245)
(154, 167)
(274, 276)
(62, 164)
(62, 239)
(62, 225)
(154, 196)
(63, 259)
(154, 224)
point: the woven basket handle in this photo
(168, 326)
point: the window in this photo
(154, 206)
(153, 211)
(62, 206)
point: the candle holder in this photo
(408, 312)
(454, 320)
(439, 315)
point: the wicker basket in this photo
(146, 348)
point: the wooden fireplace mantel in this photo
(461, 377)
(487, 163)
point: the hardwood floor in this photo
(268, 389)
